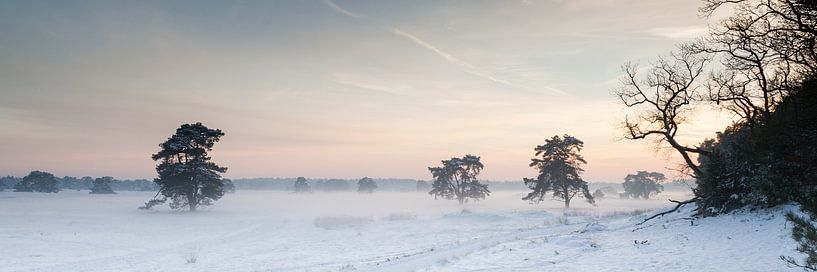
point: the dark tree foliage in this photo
(301, 186)
(187, 177)
(643, 184)
(771, 162)
(7, 181)
(102, 186)
(38, 181)
(559, 164)
(366, 185)
(457, 179)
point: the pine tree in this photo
(643, 184)
(559, 165)
(38, 181)
(102, 186)
(186, 174)
(457, 178)
(301, 186)
(366, 185)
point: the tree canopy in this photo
(366, 185)
(38, 181)
(186, 174)
(457, 179)
(643, 184)
(559, 165)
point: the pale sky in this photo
(326, 89)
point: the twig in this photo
(677, 206)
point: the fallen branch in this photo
(677, 206)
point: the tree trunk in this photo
(567, 196)
(192, 202)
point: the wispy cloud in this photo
(368, 83)
(466, 66)
(341, 10)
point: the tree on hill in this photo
(643, 184)
(102, 186)
(366, 185)
(186, 175)
(38, 181)
(559, 164)
(457, 179)
(301, 186)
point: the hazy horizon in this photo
(333, 89)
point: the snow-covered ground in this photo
(279, 231)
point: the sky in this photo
(330, 89)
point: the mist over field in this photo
(260, 230)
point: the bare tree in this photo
(763, 48)
(662, 100)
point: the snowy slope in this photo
(277, 231)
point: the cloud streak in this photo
(341, 10)
(466, 66)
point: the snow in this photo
(384, 231)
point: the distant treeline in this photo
(320, 185)
(85, 183)
(279, 184)
(339, 185)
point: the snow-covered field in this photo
(279, 231)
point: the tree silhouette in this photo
(366, 185)
(662, 101)
(186, 174)
(643, 184)
(38, 181)
(457, 178)
(559, 164)
(301, 186)
(102, 186)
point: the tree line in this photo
(189, 179)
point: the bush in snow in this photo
(37, 181)
(559, 167)
(805, 233)
(102, 186)
(301, 186)
(366, 185)
(457, 178)
(643, 184)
